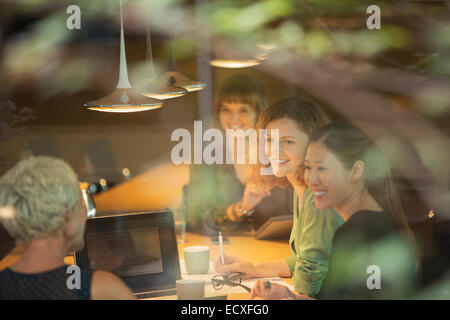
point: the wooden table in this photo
(242, 246)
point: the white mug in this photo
(196, 259)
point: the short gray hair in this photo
(41, 190)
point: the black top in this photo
(368, 247)
(50, 285)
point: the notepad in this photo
(209, 289)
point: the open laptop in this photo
(140, 248)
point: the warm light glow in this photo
(126, 172)
(223, 63)
(123, 109)
(7, 212)
(164, 96)
(262, 56)
(103, 182)
(191, 88)
(159, 90)
(124, 100)
(175, 78)
(265, 49)
(266, 46)
(83, 185)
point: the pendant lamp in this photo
(175, 78)
(152, 87)
(234, 63)
(265, 50)
(226, 58)
(124, 98)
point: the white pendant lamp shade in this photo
(150, 86)
(265, 50)
(174, 78)
(266, 46)
(177, 79)
(233, 60)
(123, 98)
(226, 57)
(155, 88)
(234, 63)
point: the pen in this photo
(221, 248)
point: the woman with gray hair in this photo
(47, 215)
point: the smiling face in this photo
(292, 147)
(327, 177)
(234, 115)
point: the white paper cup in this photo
(196, 259)
(191, 289)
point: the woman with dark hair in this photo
(374, 254)
(294, 119)
(220, 196)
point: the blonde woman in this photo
(47, 215)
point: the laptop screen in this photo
(140, 248)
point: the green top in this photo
(311, 238)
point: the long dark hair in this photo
(350, 144)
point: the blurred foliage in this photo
(439, 40)
(432, 102)
(13, 123)
(226, 19)
(71, 77)
(315, 29)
